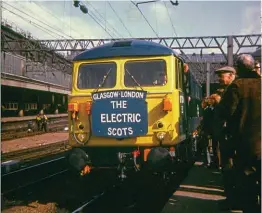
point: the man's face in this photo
(211, 101)
(163, 77)
(225, 78)
(257, 69)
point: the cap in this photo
(226, 69)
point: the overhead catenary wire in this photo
(52, 14)
(119, 19)
(48, 31)
(156, 18)
(94, 18)
(174, 29)
(145, 18)
(100, 25)
(113, 30)
(99, 22)
(35, 19)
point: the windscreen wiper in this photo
(103, 80)
(133, 79)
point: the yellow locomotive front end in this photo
(121, 107)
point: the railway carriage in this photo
(129, 106)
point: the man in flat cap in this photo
(226, 75)
(240, 107)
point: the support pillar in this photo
(21, 113)
(230, 53)
(208, 79)
(21, 102)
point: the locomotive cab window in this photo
(145, 73)
(90, 76)
(179, 72)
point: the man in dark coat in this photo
(226, 75)
(240, 107)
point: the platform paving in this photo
(33, 141)
(200, 192)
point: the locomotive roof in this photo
(125, 48)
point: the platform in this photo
(28, 118)
(200, 192)
(33, 141)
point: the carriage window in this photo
(145, 73)
(10, 106)
(90, 76)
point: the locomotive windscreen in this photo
(146, 73)
(90, 76)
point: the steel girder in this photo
(178, 43)
(58, 52)
(33, 51)
(172, 42)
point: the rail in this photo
(36, 152)
(21, 134)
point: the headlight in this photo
(160, 135)
(81, 137)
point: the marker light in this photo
(167, 104)
(72, 107)
(88, 107)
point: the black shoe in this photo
(207, 166)
(225, 205)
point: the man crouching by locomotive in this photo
(240, 107)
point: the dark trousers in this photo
(38, 125)
(44, 126)
(230, 188)
(248, 186)
(216, 153)
(229, 172)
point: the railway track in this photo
(51, 182)
(34, 174)
(36, 152)
(20, 133)
(141, 193)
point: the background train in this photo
(133, 103)
(27, 102)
